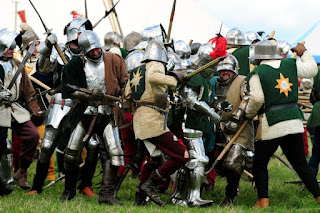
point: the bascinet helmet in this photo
(88, 40)
(235, 37)
(229, 63)
(131, 40)
(75, 26)
(155, 51)
(110, 39)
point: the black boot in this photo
(106, 194)
(70, 185)
(140, 197)
(228, 201)
(40, 176)
(5, 189)
(150, 188)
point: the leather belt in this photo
(150, 105)
(281, 106)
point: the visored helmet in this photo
(229, 63)
(131, 40)
(155, 51)
(75, 26)
(265, 50)
(235, 37)
(88, 40)
(9, 40)
(110, 39)
(182, 49)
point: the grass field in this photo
(283, 197)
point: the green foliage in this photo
(283, 197)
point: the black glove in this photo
(97, 95)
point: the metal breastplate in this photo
(95, 77)
(7, 66)
(220, 94)
(9, 73)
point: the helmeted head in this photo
(8, 41)
(265, 50)
(182, 49)
(76, 26)
(155, 32)
(27, 38)
(235, 38)
(141, 46)
(89, 43)
(131, 40)
(202, 58)
(228, 69)
(112, 39)
(252, 37)
(134, 59)
(174, 62)
(155, 51)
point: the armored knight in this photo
(238, 47)
(195, 112)
(231, 89)
(93, 114)
(59, 107)
(13, 115)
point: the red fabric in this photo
(16, 150)
(211, 177)
(220, 47)
(305, 141)
(128, 139)
(22, 15)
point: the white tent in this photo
(311, 37)
(191, 19)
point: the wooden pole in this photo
(171, 20)
(38, 82)
(111, 23)
(117, 19)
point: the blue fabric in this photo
(315, 157)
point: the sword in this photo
(21, 66)
(48, 32)
(284, 162)
(106, 14)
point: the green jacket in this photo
(314, 119)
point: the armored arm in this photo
(191, 100)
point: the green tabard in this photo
(280, 86)
(242, 55)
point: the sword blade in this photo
(23, 62)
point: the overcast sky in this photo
(289, 18)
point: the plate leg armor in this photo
(196, 164)
(74, 148)
(235, 159)
(6, 163)
(113, 145)
(49, 143)
(179, 195)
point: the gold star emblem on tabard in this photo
(135, 81)
(284, 85)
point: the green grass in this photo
(283, 197)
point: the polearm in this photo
(106, 14)
(171, 20)
(228, 146)
(117, 19)
(110, 20)
(48, 32)
(206, 66)
(86, 9)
